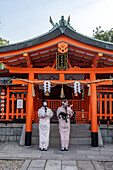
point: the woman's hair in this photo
(43, 101)
(64, 100)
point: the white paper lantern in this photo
(2, 93)
(2, 109)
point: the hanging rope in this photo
(73, 81)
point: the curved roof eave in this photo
(66, 30)
(88, 40)
(31, 42)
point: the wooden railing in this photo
(78, 108)
(9, 110)
(78, 105)
(105, 106)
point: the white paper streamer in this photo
(47, 86)
(77, 87)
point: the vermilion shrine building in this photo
(61, 56)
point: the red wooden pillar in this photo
(7, 104)
(29, 112)
(89, 116)
(61, 77)
(94, 127)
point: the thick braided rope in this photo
(73, 81)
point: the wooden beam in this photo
(12, 58)
(79, 64)
(43, 49)
(96, 59)
(47, 70)
(79, 58)
(82, 50)
(81, 55)
(45, 54)
(3, 60)
(44, 58)
(61, 77)
(106, 61)
(21, 64)
(4, 70)
(42, 64)
(108, 57)
(74, 62)
(46, 61)
(102, 65)
(15, 62)
(28, 60)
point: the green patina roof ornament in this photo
(62, 24)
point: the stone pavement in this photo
(13, 156)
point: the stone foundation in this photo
(10, 132)
(107, 133)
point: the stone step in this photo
(73, 126)
(80, 134)
(75, 133)
(56, 141)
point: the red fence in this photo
(78, 108)
(105, 106)
(9, 110)
(105, 103)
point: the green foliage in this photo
(103, 35)
(2, 66)
(3, 42)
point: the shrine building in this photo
(58, 64)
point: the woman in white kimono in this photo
(44, 114)
(64, 114)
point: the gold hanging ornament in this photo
(46, 93)
(89, 90)
(33, 90)
(62, 92)
(76, 94)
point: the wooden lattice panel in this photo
(105, 106)
(81, 117)
(78, 105)
(11, 111)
